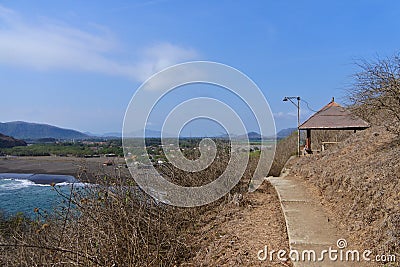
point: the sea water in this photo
(26, 192)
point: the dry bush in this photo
(375, 94)
(285, 148)
(100, 225)
(113, 223)
(183, 178)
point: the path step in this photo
(308, 226)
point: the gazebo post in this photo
(308, 139)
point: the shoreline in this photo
(82, 169)
(39, 178)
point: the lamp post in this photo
(290, 98)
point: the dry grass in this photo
(115, 224)
(360, 181)
(232, 235)
(285, 148)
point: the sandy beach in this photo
(58, 165)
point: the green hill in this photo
(26, 130)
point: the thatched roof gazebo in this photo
(332, 117)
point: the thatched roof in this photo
(334, 117)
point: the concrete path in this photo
(307, 224)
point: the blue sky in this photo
(76, 64)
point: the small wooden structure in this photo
(332, 117)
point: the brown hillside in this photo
(8, 141)
(359, 180)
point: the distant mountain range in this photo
(138, 133)
(27, 130)
(285, 133)
(149, 134)
(33, 131)
(253, 136)
(250, 136)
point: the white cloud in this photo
(48, 45)
(286, 115)
(160, 56)
(304, 114)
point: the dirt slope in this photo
(234, 235)
(359, 180)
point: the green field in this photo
(66, 149)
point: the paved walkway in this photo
(307, 225)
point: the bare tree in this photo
(375, 94)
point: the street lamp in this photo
(290, 98)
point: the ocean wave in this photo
(75, 184)
(15, 175)
(41, 179)
(15, 184)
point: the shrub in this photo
(375, 94)
(114, 223)
(285, 148)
